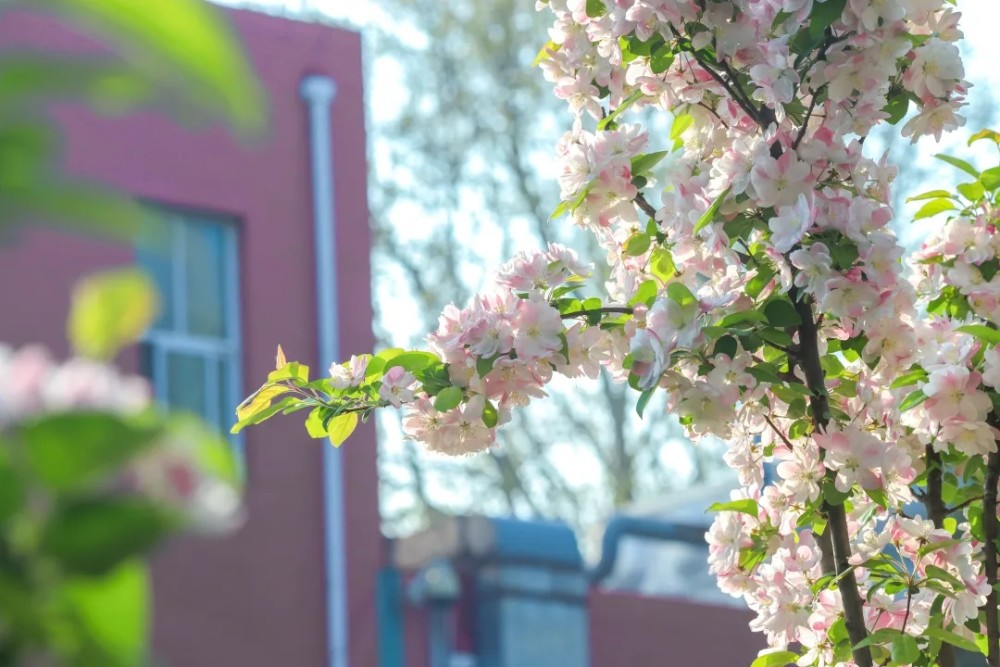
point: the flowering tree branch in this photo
(765, 293)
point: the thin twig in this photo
(962, 505)
(777, 431)
(805, 122)
(646, 207)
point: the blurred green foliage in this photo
(86, 491)
(179, 54)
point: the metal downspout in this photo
(319, 93)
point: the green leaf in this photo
(742, 317)
(642, 164)
(831, 365)
(412, 361)
(69, 450)
(433, 378)
(680, 125)
(775, 337)
(12, 489)
(880, 636)
(293, 370)
(985, 134)
(113, 610)
(905, 650)
(637, 244)
(257, 402)
(896, 107)
(625, 103)
(94, 536)
(185, 45)
(971, 191)
(799, 428)
(709, 215)
(725, 345)
(545, 52)
(959, 164)
(824, 15)
(680, 294)
(984, 333)
(935, 572)
(990, 178)
(912, 400)
(643, 401)
(952, 638)
(932, 194)
(662, 59)
(909, 378)
(775, 659)
(645, 293)
(933, 207)
(448, 399)
(833, 495)
(746, 506)
(596, 9)
(485, 364)
(109, 310)
(661, 264)
(341, 427)
(844, 254)
(760, 280)
(490, 415)
(781, 313)
(316, 422)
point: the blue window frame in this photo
(192, 354)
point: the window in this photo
(192, 352)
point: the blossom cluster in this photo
(500, 350)
(755, 280)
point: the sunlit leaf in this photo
(341, 427)
(775, 659)
(114, 610)
(746, 506)
(709, 215)
(959, 164)
(109, 310)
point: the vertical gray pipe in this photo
(319, 93)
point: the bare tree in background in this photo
(461, 180)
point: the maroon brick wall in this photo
(258, 597)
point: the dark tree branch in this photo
(937, 512)
(838, 547)
(646, 207)
(990, 530)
